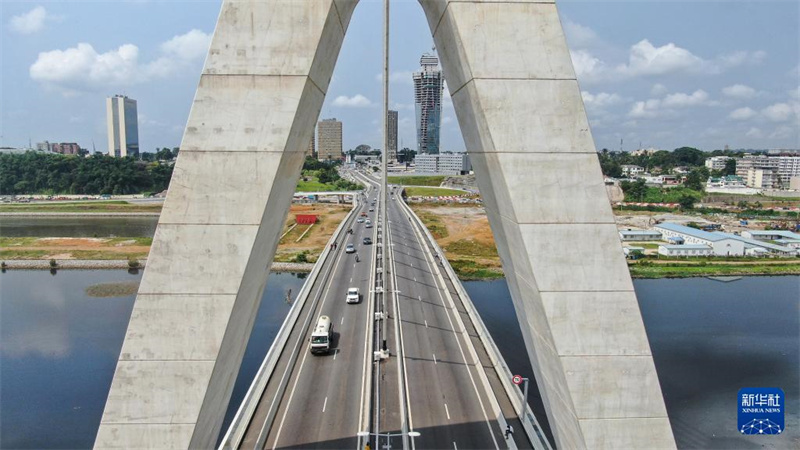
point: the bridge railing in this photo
(522, 409)
(236, 431)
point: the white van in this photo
(321, 337)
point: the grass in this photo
(434, 224)
(470, 270)
(703, 270)
(468, 247)
(431, 180)
(312, 184)
(107, 290)
(81, 207)
(433, 192)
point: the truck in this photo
(321, 336)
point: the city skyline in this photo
(642, 82)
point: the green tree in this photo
(730, 167)
(687, 201)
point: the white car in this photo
(352, 295)
(360, 220)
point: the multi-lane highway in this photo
(322, 402)
(439, 389)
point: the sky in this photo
(660, 74)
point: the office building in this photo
(123, 126)
(443, 164)
(65, 148)
(428, 86)
(391, 121)
(329, 147)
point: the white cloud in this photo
(743, 114)
(754, 133)
(645, 59)
(356, 101)
(739, 91)
(779, 112)
(681, 100)
(82, 68)
(578, 35)
(656, 107)
(658, 89)
(600, 100)
(191, 45)
(784, 132)
(29, 22)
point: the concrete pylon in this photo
(519, 106)
(264, 81)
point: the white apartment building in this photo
(777, 171)
(630, 170)
(717, 162)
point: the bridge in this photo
(456, 389)
(437, 381)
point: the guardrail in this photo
(233, 437)
(523, 410)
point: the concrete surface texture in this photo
(518, 103)
(267, 71)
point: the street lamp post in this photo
(388, 437)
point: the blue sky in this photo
(660, 73)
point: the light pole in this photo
(388, 437)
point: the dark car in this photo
(367, 241)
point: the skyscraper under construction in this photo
(428, 85)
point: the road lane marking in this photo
(419, 297)
(325, 405)
(342, 321)
(351, 279)
(445, 410)
(454, 445)
(426, 324)
(434, 361)
(335, 352)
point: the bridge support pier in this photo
(519, 106)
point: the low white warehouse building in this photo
(685, 250)
(720, 244)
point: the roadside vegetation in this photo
(95, 206)
(433, 192)
(431, 180)
(323, 177)
(679, 269)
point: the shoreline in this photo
(75, 264)
(79, 214)
(117, 264)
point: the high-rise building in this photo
(330, 140)
(311, 149)
(428, 85)
(123, 126)
(392, 123)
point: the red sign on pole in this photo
(516, 379)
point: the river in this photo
(58, 349)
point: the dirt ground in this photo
(313, 242)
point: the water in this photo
(135, 226)
(58, 349)
(708, 339)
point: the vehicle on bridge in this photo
(353, 296)
(350, 248)
(360, 220)
(368, 224)
(321, 337)
(367, 241)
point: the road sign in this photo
(516, 379)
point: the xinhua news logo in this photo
(761, 411)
